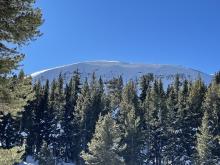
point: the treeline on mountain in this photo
(116, 122)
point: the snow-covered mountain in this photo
(109, 69)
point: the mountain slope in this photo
(109, 69)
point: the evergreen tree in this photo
(217, 78)
(129, 122)
(18, 25)
(83, 110)
(145, 81)
(69, 120)
(212, 106)
(171, 153)
(156, 115)
(29, 119)
(19, 22)
(45, 156)
(9, 134)
(205, 142)
(194, 113)
(11, 156)
(40, 106)
(104, 146)
(115, 87)
(56, 105)
(97, 102)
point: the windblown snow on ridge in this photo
(109, 69)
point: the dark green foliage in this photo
(104, 147)
(217, 78)
(115, 87)
(45, 156)
(145, 82)
(156, 115)
(212, 106)
(9, 133)
(205, 142)
(129, 123)
(69, 123)
(19, 23)
(83, 110)
(113, 124)
(11, 156)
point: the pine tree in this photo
(182, 126)
(171, 153)
(69, 121)
(129, 122)
(19, 22)
(11, 156)
(18, 25)
(217, 78)
(20, 90)
(83, 110)
(194, 113)
(145, 81)
(56, 106)
(46, 118)
(45, 156)
(39, 109)
(9, 134)
(115, 87)
(97, 102)
(212, 106)
(104, 147)
(205, 142)
(156, 115)
(30, 118)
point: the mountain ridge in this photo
(109, 69)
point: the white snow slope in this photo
(109, 69)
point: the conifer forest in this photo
(89, 121)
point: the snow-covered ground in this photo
(109, 69)
(30, 161)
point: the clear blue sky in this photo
(181, 32)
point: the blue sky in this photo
(181, 32)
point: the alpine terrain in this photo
(109, 69)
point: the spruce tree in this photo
(83, 111)
(145, 82)
(45, 156)
(69, 123)
(97, 100)
(115, 87)
(182, 126)
(104, 147)
(56, 105)
(194, 113)
(129, 122)
(205, 143)
(212, 106)
(171, 152)
(156, 115)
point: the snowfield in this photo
(109, 69)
